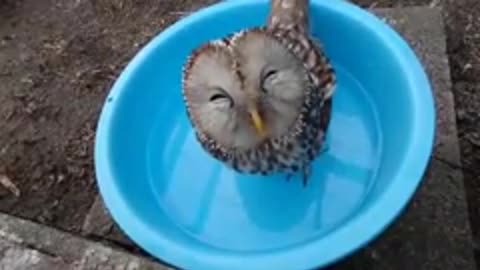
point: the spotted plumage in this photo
(229, 105)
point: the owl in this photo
(260, 99)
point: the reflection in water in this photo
(241, 212)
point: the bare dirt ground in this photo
(59, 58)
(57, 62)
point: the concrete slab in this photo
(29, 246)
(98, 223)
(434, 232)
(17, 257)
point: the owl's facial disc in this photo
(218, 104)
(245, 91)
(275, 76)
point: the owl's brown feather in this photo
(311, 54)
(297, 111)
(289, 22)
(289, 14)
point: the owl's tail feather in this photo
(289, 14)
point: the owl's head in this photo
(244, 89)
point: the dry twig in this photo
(9, 185)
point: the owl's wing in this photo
(330, 83)
(288, 14)
(310, 52)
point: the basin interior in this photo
(182, 193)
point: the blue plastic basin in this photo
(187, 209)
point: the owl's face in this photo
(245, 89)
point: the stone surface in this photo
(25, 245)
(434, 232)
(16, 257)
(98, 223)
(423, 28)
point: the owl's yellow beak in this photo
(258, 122)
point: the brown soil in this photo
(57, 62)
(59, 58)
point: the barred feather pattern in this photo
(295, 150)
